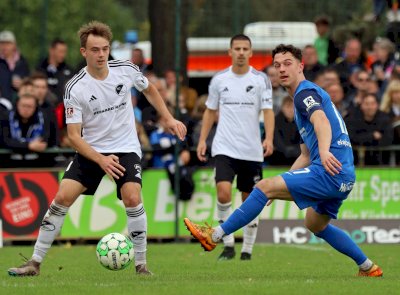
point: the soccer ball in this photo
(114, 251)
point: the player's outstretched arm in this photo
(303, 160)
(323, 130)
(209, 117)
(174, 126)
(269, 126)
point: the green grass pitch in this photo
(187, 269)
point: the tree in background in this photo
(163, 16)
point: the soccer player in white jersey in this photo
(239, 93)
(101, 127)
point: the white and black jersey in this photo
(239, 99)
(104, 107)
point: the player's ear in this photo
(83, 51)
(301, 67)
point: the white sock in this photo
(249, 236)
(366, 265)
(137, 228)
(218, 234)
(223, 212)
(49, 230)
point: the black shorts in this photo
(89, 173)
(248, 172)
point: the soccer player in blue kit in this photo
(321, 177)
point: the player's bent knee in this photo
(131, 201)
(61, 198)
(265, 185)
(314, 227)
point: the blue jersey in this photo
(307, 99)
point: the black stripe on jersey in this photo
(122, 63)
(72, 82)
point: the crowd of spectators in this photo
(365, 88)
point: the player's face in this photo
(288, 67)
(240, 53)
(96, 52)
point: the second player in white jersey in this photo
(104, 107)
(239, 99)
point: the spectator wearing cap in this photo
(57, 70)
(326, 48)
(17, 64)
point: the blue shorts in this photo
(314, 187)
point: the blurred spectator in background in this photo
(311, 64)
(17, 64)
(54, 66)
(278, 92)
(352, 61)
(27, 132)
(6, 90)
(189, 94)
(199, 108)
(336, 93)
(137, 58)
(26, 87)
(46, 101)
(382, 68)
(149, 113)
(327, 77)
(391, 105)
(371, 129)
(286, 138)
(326, 48)
(355, 98)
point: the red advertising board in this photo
(24, 200)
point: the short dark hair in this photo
(57, 41)
(322, 20)
(38, 75)
(240, 37)
(282, 48)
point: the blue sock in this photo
(249, 210)
(342, 242)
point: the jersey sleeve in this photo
(266, 93)
(73, 109)
(140, 82)
(213, 95)
(307, 102)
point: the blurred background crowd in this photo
(363, 83)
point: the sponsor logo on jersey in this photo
(310, 102)
(138, 169)
(346, 187)
(342, 142)
(116, 108)
(92, 98)
(120, 89)
(249, 88)
(225, 89)
(69, 112)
